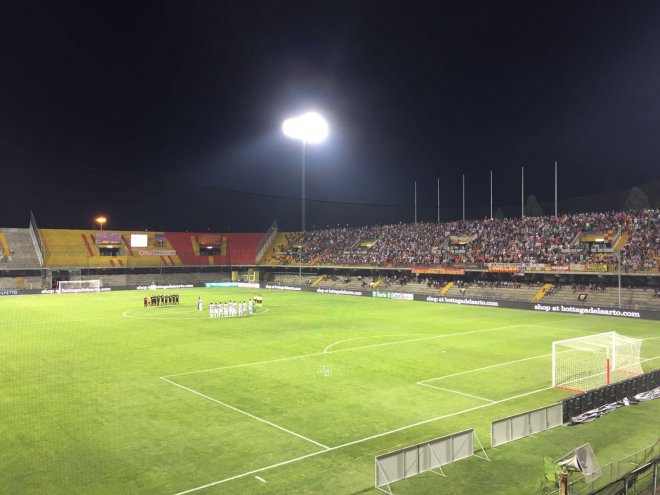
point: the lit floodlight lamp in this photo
(309, 128)
(101, 221)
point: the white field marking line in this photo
(243, 475)
(325, 351)
(260, 479)
(270, 423)
(455, 392)
(303, 356)
(362, 440)
(422, 382)
(221, 368)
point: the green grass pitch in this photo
(99, 395)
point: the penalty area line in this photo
(455, 392)
(245, 413)
(355, 442)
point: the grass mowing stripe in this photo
(455, 392)
(270, 423)
(483, 368)
(437, 336)
(355, 442)
(327, 349)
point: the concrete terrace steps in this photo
(524, 294)
(25, 254)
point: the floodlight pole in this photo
(522, 192)
(303, 186)
(619, 274)
(313, 128)
(491, 194)
(415, 202)
(555, 188)
(438, 199)
(464, 197)
(303, 201)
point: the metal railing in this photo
(266, 241)
(36, 239)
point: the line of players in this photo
(161, 300)
(231, 308)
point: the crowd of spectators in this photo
(532, 240)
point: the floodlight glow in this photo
(309, 127)
(101, 220)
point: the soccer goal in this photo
(65, 286)
(584, 363)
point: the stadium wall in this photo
(591, 310)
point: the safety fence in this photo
(425, 457)
(641, 480)
(525, 424)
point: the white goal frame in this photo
(72, 286)
(593, 361)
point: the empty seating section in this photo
(78, 248)
(4, 247)
(227, 249)
(504, 291)
(17, 251)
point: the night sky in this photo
(167, 115)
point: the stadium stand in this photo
(579, 239)
(507, 292)
(230, 249)
(556, 260)
(17, 250)
(79, 248)
(275, 254)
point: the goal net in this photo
(584, 363)
(65, 286)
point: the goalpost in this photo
(584, 363)
(65, 286)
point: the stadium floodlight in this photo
(101, 221)
(307, 128)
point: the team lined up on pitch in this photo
(228, 309)
(161, 300)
